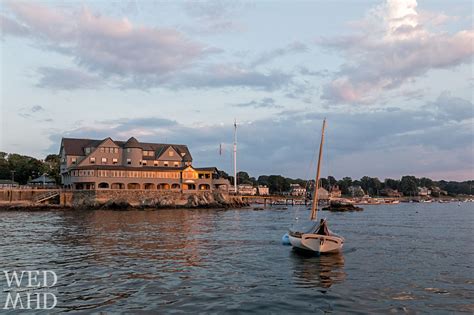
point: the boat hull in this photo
(317, 243)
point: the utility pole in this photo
(235, 156)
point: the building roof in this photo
(7, 182)
(42, 179)
(75, 146)
(141, 168)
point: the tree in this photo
(392, 183)
(425, 182)
(263, 180)
(408, 185)
(25, 167)
(344, 185)
(278, 184)
(53, 163)
(243, 178)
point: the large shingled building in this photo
(109, 164)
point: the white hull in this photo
(317, 243)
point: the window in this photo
(73, 160)
(128, 150)
(115, 150)
(104, 160)
(144, 163)
(183, 154)
(129, 161)
(170, 153)
(165, 163)
(102, 150)
(145, 153)
(176, 164)
(88, 150)
(92, 160)
(155, 163)
(114, 160)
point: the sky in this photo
(393, 78)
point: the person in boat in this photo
(323, 228)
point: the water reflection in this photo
(312, 270)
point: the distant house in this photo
(388, 192)
(246, 189)
(436, 191)
(42, 182)
(297, 190)
(356, 191)
(263, 190)
(423, 191)
(335, 192)
(323, 194)
(8, 184)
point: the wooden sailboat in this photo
(318, 238)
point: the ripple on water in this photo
(394, 260)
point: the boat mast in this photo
(314, 208)
(235, 156)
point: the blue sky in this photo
(394, 79)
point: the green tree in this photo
(344, 185)
(408, 185)
(53, 163)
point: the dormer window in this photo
(88, 150)
(73, 160)
(165, 163)
(144, 163)
(155, 163)
(102, 150)
(176, 164)
(170, 153)
(129, 161)
(104, 160)
(92, 160)
(114, 161)
(183, 154)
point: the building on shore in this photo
(335, 192)
(297, 190)
(42, 182)
(263, 190)
(247, 189)
(88, 164)
(8, 184)
(424, 191)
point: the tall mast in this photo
(314, 208)
(235, 156)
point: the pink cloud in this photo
(391, 47)
(104, 44)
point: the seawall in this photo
(121, 199)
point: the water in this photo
(407, 258)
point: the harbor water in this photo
(405, 258)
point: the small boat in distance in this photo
(317, 238)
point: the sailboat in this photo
(318, 238)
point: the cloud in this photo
(380, 143)
(266, 102)
(215, 16)
(104, 45)
(67, 79)
(269, 56)
(30, 112)
(391, 47)
(231, 75)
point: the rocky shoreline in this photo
(192, 201)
